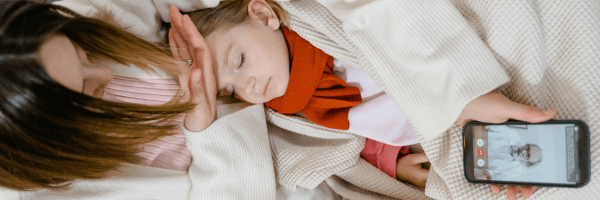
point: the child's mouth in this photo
(267, 87)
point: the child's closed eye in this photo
(242, 60)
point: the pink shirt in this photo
(169, 152)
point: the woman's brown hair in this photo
(229, 13)
(51, 135)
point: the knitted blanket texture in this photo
(549, 49)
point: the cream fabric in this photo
(423, 54)
(550, 50)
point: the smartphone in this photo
(554, 153)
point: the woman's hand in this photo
(187, 43)
(409, 169)
(496, 108)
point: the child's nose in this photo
(250, 85)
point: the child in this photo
(257, 60)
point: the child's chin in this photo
(227, 100)
(267, 100)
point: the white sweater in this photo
(441, 54)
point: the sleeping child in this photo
(257, 59)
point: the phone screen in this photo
(528, 153)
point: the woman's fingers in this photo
(187, 43)
(201, 55)
(173, 45)
(175, 17)
(496, 108)
(179, 48)
(526, 191)
(191, 34)
(511, 191)
(195, 120)
(209, 83)
(206, 98)
(203, 114)
(197, 89)
(495, 188)
(182, 47)
(526, 113)
(178, 43)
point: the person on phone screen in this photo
(507, 156)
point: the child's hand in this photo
(496, 108)
(409, 169)
(187, 43)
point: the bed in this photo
(551, 54)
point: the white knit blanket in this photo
(550, 50)
(554, 64)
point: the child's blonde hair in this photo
(229, 13)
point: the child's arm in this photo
(382, 120)
(378, 117)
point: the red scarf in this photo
(313, 89)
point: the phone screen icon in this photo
(480, 162)
(480, 142)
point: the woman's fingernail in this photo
(547, 111)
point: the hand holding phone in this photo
(496, 108)
(553, 153)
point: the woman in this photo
(57, 135)
(48, 79)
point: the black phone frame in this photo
(583, 150)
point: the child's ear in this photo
(262, 11)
